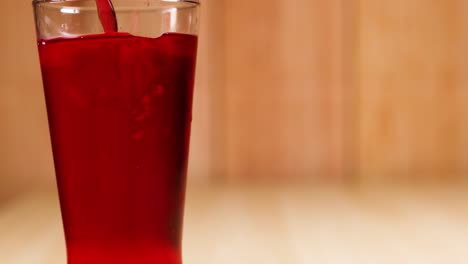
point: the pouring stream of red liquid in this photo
(107, 15)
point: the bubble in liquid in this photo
(138, 135)
(158, 89)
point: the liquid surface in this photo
(119, 111)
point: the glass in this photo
(119, 108)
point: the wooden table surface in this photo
(243, 225)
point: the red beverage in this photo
(119, 110)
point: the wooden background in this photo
(412, 110)
(288, 91)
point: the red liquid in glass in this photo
(119, 110)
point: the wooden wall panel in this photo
(25, 155)
(284, 117)
(462, 72)
(289, 90)
(207, 153)
(412, 89)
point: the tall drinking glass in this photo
(118, 82)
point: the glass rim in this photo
(196, 2)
